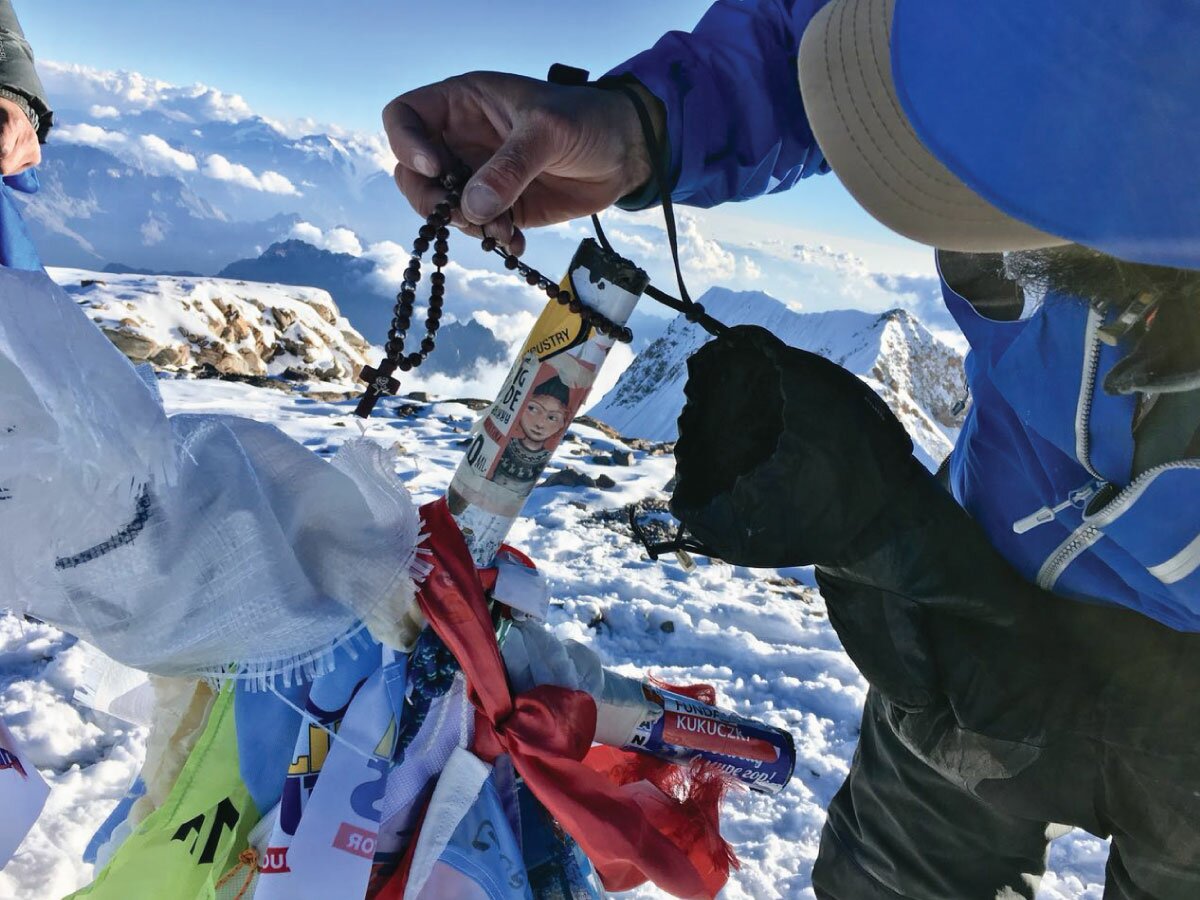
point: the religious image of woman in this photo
(543, 419)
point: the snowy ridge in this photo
(919, 376)
(185, 324)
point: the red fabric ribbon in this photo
(631, 833)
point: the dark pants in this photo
(950, 792)
(995, 709)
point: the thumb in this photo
(501, 180)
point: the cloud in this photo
(511, 328)
(82, 87)
(93, 135)
(158, 150)
(107, 95)
(335, 240)
(218, 167)
(148, 151)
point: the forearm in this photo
(734, 118)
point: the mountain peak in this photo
(919, 377)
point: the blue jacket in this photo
(1042, 437)
(735, 120)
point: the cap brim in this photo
(846, 81)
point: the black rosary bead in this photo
(435, 233)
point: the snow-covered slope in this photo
(761, 637)
(185, 325)
(920, 377)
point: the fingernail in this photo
(424, 165)
(481, 203)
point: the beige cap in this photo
(846, 80)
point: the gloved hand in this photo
(542, 153)
(783, 458)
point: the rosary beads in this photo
(436, 233)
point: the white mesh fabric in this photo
(185, 544)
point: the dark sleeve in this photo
(17, 72)
(735, 120)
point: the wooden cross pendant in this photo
(379, 382)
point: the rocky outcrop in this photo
(200, 325)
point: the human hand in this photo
(19, 148)
(541, 153)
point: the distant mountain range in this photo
(920, 377)
(141, 176)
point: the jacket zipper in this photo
(1080, 539)
(1077, 498)
(1090, 531)
(1086, 534)
(1083, 410)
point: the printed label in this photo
(274, 861)
(355, 840)
(755, 754)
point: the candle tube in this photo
(513, 440)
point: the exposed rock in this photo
(473, 403)
(194, 325)
(133, 344)
(606, 430)
(568, 477)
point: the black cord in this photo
(575, 77)
(684, 304)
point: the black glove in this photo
(783, 457)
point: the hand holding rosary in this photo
(436, 233)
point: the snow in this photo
(761, 637)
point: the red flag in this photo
(631, 833)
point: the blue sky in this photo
(340, 63)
